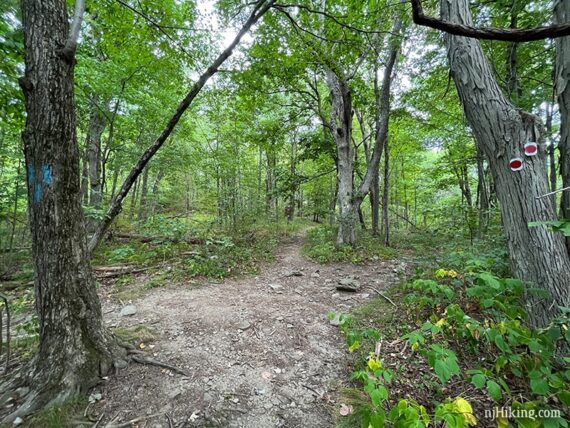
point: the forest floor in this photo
(258, 351)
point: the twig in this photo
(151, 362)
(311, 389)
(133, 421)
(99, 420)
(170, 424)
(383, 295)
(552, 193)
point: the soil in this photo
(258, 351)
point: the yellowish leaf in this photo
(374, 364)
(354, 346)
(463, 407)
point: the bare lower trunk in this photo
(96, 127)
(144, 191)
(385, 194)
(75, 348)
(375, 203)
(482, 194)
(501, 132)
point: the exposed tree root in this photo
(138, 358)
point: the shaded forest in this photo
(255, 214)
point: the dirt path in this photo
(260, 351)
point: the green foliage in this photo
(321, 247)
(468, 315)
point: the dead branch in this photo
(383, 295)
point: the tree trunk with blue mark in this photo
(75, 349)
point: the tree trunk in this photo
(385, 194)
(514, 89)
(75, 349)
(85, 178)
(382, 96)
(144, 192)
(501, 132)
(341, 126)
(375, 203)
(15, 212)
(155, 187)
(482, 194)
(96, 127)
(562, 15)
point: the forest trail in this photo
(260, 351)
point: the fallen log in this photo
(160, 239)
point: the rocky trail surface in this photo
(256, 351)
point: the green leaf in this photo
(479, 380)
(539, 386)
(494, 390)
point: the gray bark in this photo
(144, 192)
(75, 348)
(537, 255)
(97, 125)
(562, 15)
(385, 194)
(341, 127)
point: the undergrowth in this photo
(456, 352)
(321, 246)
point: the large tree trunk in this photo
(562, 15)
(75, 348)
(341, 127)
(537, 255)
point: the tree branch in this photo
(68, 51)
(116, 204)
(488, 33)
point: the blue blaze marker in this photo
(37, 192)
(47, 177)
(31, 174)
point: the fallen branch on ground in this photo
(383, 295)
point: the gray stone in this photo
(348, 284)
(244, 325)
(128, 310)
(120, 364)
(275, 287)
(18, 421)
(336, 320)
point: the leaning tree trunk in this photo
(537, 255)
(562, 15)
(75, 349)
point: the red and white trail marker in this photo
(516, 164)
(530, 149)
